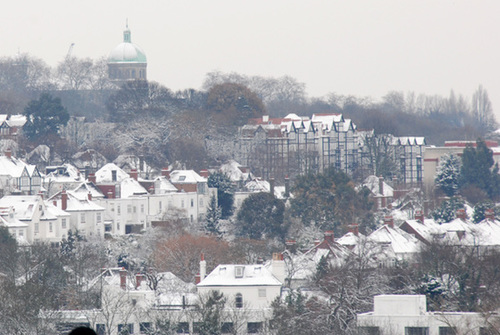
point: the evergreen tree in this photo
(212, 219)
(261, 215)
(448, 174)
(44, 116)
(446, 212)
(225, 192)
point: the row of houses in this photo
(278, 147)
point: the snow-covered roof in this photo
(17, 120)
(234, 171)
(251, 275)
(399, 241)
(65, 173)
(12, 166)
(163, 185)
(82, 191)
(104, 174)
(25, 205)
(130, 187)
(75, 204)
(428, 229)
(373, 184)
(186, 177)
(127, 162)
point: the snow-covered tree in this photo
(212, 219)
(448, 174)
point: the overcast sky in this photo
(363, 48)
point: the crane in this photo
(68, 55)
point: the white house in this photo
(407, 314)
(17, 176)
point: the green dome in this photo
(127, 52)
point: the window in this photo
(262, 292)
(112, 205)
(134, 209)
(254, 327)
(98, 217)
(82, 218)
(118, 209)
(63, 223)
(182, 328)
(447, 330)
(238, 271)
(100, 329)
(125, 329)
(142, 208)
(416, 330)
(145, 327)
(192, 203)
(238, 300)
(36, 227)
(197, 327)
(191, 218)
(182, 203)
(129, 208)
(368, 330)
(227, 328)
(50, 227)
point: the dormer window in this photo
(238, 271)
(182, 178)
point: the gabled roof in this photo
(252, 275)
(75, 204)
(186, 177)
(13, 167)
(397, 239)
(104, 174)
(234, 171)
(372, 183)
(64, 173)
(163, 185)
(82, 191)
(130, 187)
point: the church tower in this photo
(127, 61)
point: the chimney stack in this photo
(40, 194)
(271, 186)
(8, 153)
(123, 279)
(92, 178)
(203, 267)
(110, 195)
(204, 173)
(64, 200)
(461, 214)
(381, 191)
(419, 215)
(328, 236)
(287, 187)
(291, 245)
(388, 220)
(354, 228)
(89, 196)
(165, 172)
(134, 174)
(489, 214)
(278, 267)
(138, 280)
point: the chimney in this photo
(287, 187)
(113, 175)
(291, 245)
(388, 220)
(278, 267)
(461, 214)
(123, 279)
(40, 194)
(419, 215)
(197, 279)
(134, 174)
(203, 267)
(204, 173)
(92, 178)
(165, 172)
(381, 191)
(328, 236)
(87, 171)
(271, 186)
(316, 242)
(151, 189)
(8, 153)
(110, 195)
(89, 196)
(64, 200)
(354, 228)
(489, 214)
(260, 260)
(138, 280)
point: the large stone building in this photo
(127, 61)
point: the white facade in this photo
(407, 314)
